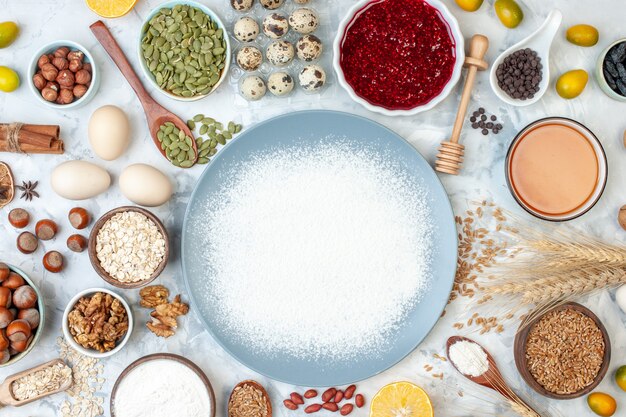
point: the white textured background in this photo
(42, 21)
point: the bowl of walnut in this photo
(97, 322)
(63, 75)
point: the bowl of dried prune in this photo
(611, 70)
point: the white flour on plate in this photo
(316, 252)
(162, 388)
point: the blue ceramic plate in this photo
(306, 127)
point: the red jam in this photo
(398, 54)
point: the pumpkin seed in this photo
(202, 161)
(191, 124)
(203, 129)
(186, 164)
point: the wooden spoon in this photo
(258, 386)
(6, 394)
(155, 113)
(492, 378)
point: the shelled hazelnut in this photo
(63, 76)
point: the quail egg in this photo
(242, 5)
(275, 25)
(312, 78)
(252, 88)
(309, 48)
(249, 58)
(280, 84)
(272, 4)
(280, 53)
(246, 29)
(304, 20)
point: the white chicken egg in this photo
(79, 180)
(145, 185)
(109, 132)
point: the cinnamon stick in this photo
(42, 139)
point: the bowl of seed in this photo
(128, 247)
(184, 50)
(563, 353)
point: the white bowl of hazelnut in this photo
(97, 322)
(63, 75)
(22, 313)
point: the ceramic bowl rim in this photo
(48, 48)
(604, 86)
(455, 32)
(519, 349)
(41, 305)
(603, 166)
(90, 352)
(209, 12)
(93, 258)
(169, 357)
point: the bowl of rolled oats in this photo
(129, 247)
(97, 322)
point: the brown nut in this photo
(24, 297)
(14, 281)
(5, 297)
(19, 218)
(359, 400)
(53, 261)
(31, 315)
(49, 72)
(66, 96)
(80, 90)
(79, 218)
(4, 340)
(21, 345)
(27, 243)
(62, 52)
(621, 217)
(77, 243)
(5, 356)
(66, 78)
(50, 57)
(39, 81)
(87, 67)
(77, 55)
(75, 65)
(46, 229)
(18, 330)
(83, 77)
(4, 271)
(49, 94)
(43, 60)
(6, 317)
(60, 63)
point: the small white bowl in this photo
(50, 48)
(91, 352)
(455, 32)
(539, 41)
(220, 25)
(600, 73)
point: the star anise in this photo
(28, 190)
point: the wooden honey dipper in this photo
(450, 156)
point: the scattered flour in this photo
(316, 252)
(162, 388)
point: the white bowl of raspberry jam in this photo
(399, 57)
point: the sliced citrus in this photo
(401, 399)
(111, 8)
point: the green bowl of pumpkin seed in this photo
(184, 50)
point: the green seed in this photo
(238, 128)
(202, 161)
(191, 124)
(205, 145)
(191, 155)
(227, 135)
(231, 127)
(186, 164)
(203, 129)
(221, 139)
(204, 152)
(198, 117)
(175, 162)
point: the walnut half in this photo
(163, 317)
